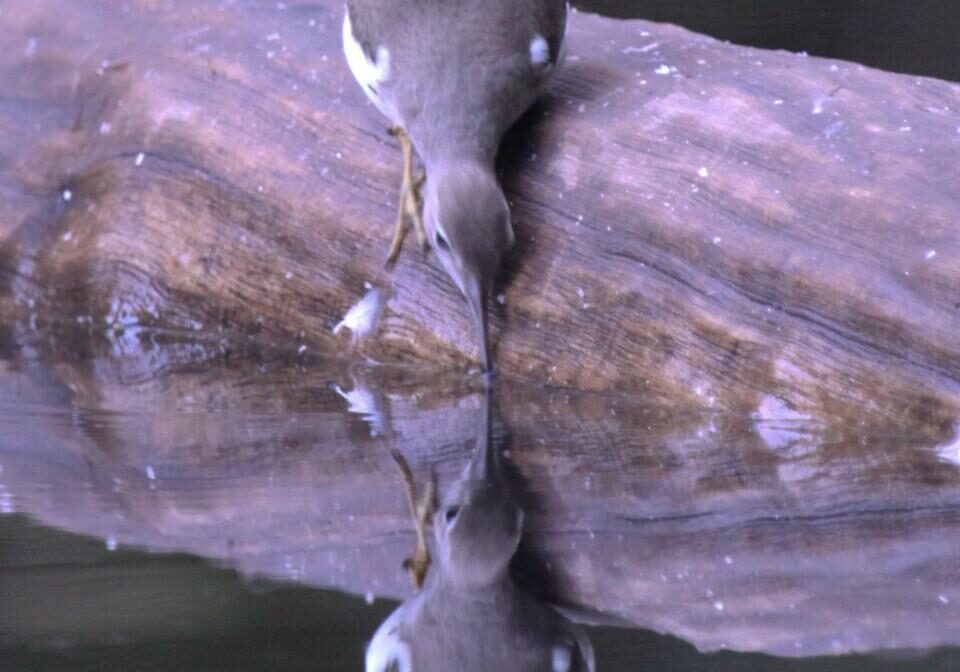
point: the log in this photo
(698, 222)
(759, 249)
(778, 536)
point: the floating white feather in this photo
(364, 316)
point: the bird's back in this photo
(505, 629)
(460, 72)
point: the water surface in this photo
(916, 37)
(245, 513)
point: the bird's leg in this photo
(415, 208)
(420, 511)
(409, 202)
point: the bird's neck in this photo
(493, 589)
(443, 164)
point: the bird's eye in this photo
(451, 514)
(442, 242)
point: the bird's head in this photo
(468, 225)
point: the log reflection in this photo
(771, 533)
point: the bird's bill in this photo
(477, 299)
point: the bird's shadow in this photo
(519, 149)
(533, 141)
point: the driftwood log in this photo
(781, 536)
(701, 222)
(760, 247)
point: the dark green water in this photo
(69, 603)
(918, 37)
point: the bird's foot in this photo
(409, 201)
(421, 511)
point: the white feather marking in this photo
(561, 658)
(363, 316)
(368, 73)
(539, 51)
(386, 647)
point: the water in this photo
(242, 514)
(69, 604)
(916, 37)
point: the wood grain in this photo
(746, 223)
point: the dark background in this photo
(913, 36)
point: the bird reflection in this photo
(470, 614)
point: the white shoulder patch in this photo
(368, 73)
(539, 51)
(561, 658)
(387, 651)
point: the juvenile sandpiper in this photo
(452, 76)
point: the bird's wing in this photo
(368, 27)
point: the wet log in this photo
(783, 536)
(704, 223)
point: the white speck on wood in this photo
(930, 254)
(139, 160)
(703, 172)
(641, 50)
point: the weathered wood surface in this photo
(745, 223)
(774, 534)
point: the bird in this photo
(470, 615)
(453, 76)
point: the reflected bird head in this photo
(479, 524)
